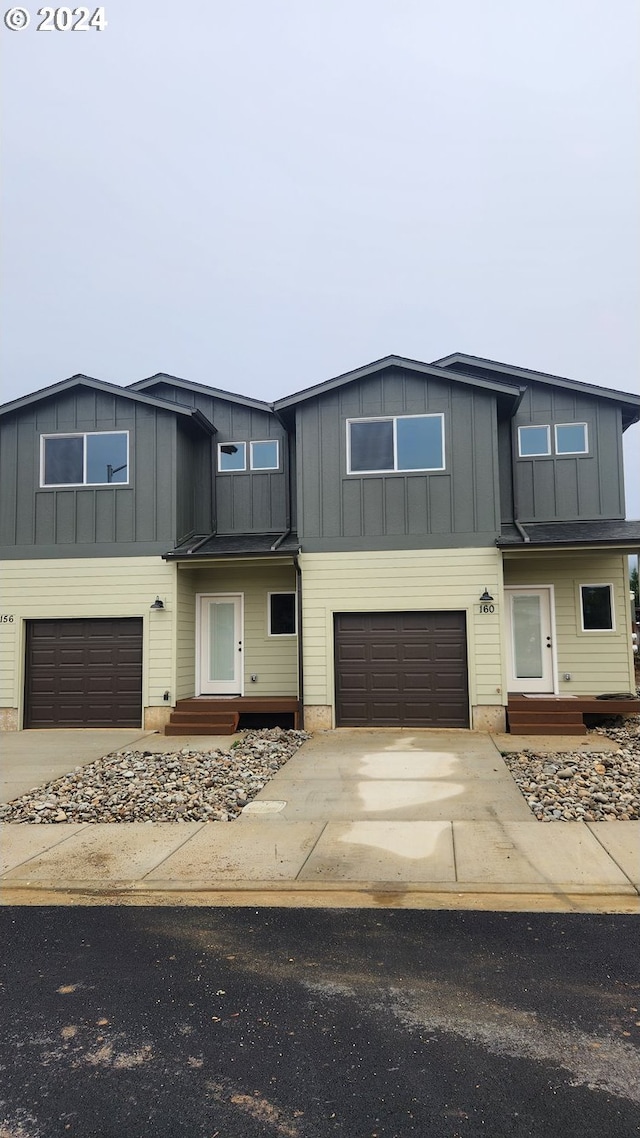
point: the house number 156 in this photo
(6, 618)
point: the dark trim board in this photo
(98, 549)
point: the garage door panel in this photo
(383, 682)
(69, 657)
(418, 682)
(401, 669)
(84, 673)
(44, 657)
(379, 653)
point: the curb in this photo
(383, 895)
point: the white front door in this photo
(530, 648)
(220, 644)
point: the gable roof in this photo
(502, 387)
(630, 403)
(201, 388)
(86, 381)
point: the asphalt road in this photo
(244, 1023)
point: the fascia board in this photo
(201, 388)
(511, 389)
(527, 375)
(107, 388)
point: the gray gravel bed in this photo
(578, 786)
(190, 785)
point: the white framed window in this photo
(571, 438)
(395, 444)
(265, 454)
(597, 609)
(85, 458)
(534, 441)
(281, 614)
(232, 456)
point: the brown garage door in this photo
(401, 669)
(84, 673)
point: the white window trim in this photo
(264, 468)
(282, 635)
(597, 585)
(232, 443)
(562, 453)
(394, 420)
(80, 435)
(541, 453)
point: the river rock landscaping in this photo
(189, 785)
(582, 786)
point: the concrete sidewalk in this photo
(402, 818)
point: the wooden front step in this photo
(193, 715)
(202, 727)
(550, 716)
(525, 716)
(201, 707)
(202, 720)
(558, 715)
(540, 728)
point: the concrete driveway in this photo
(31, 758)
(396, 775)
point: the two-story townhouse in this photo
(405, 544)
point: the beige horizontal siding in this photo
(402, 580)
(91, 587)
(597, 661)
(274, 659)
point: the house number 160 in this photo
(487, 608)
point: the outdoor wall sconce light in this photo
(157, 605)
(486, 596)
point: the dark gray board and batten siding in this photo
(85, 521)
(570, 487)
(457, 506)
(194, 482)
(245, 501)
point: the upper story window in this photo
(263, 455)
(99, 458)
(395, 443)
(569, 438)
(534, 441)
(232, 456)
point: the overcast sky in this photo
(262, 194)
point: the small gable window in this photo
(571, 438)
(232, 456)
(91, 459)
(282, 614)
(597, 608)
(265, 455)
(396, 444)
(534, 442)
